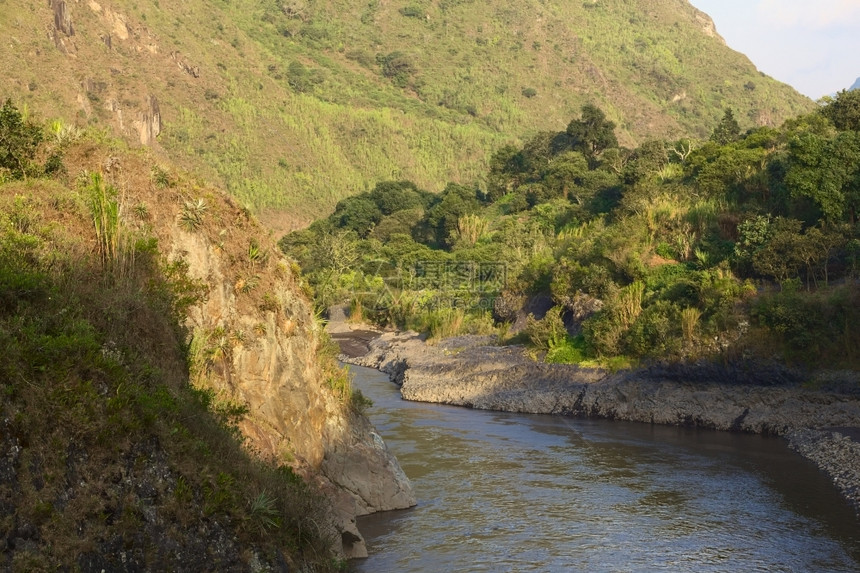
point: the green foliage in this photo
(572, 350)
(844, 111)
(393, 196)
(827, 170)
(818, 329)
(412, 12)
(548, 332)
(454, 202)
(727, 130)
(592, 133)
(648, 252)
(358, 214)
(113, 244)
(264, 515)
(19, 139)
(191, 215)
(397, 67)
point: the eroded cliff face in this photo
(254, 340)
(260, 346)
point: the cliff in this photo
(258, 343)
(144, 315)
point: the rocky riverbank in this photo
(820, 416)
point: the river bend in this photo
(512, 492)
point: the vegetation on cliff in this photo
(109, 457)
(295, 104)
(743, 245)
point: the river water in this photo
(512, 492)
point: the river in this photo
(512, 492)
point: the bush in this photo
(19, 140)
(412, 12)
(571, 350)
(548, 332)
(656, 332)
(397, 67)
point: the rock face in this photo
(293, 415)
(468, 371)
(149, 124)
(268, 361)
(62, 19)
(368, 471)
(260, 347)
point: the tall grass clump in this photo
(113, 244)
(689, 321)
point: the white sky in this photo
(813, 45)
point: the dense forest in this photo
(745, 245)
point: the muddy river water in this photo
(511, 492)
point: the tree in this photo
(358, 213)
(566, 172)
(827, 170)
(456, 201)
(19, 140)
(393, 196)
(727, 130)
(645, 161)
(844, 111)
(592, 133)
(505, 167)
(783, 254)
(568, 176)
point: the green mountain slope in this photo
(294, 104)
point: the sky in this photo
(812, 45)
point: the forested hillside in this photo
(745, 245)
(295, 104)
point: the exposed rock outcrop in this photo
(836, 453)
(62, 18)
(149, 123)
(263, 353)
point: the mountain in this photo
(294, 104)
(855, 86)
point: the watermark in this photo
(469, 276)
(433, 285)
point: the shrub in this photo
(412, 12)
(397, 67)
(548, 332)
(191, 215)
(19, 140)
(570, 350)
(655, 332)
